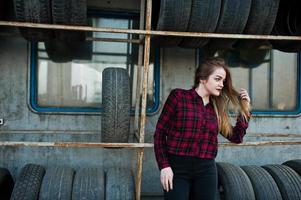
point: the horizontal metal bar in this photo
(75, 144)
(67, 132)
(10, 35)
(88, 132)
(130, 145)
(137, 41)
(288, 135)
(145, 32)
(266, 143)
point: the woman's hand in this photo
(243, 94)
(166, 178)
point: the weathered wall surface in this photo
(177, 69)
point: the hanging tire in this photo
(287, 23)
(235, 183)
(57, 183)
(120, 184)
(35, 11)
(260, 22)
(69, 45)
(89, 183)
(116, 104)
(6, 184)
(70, 12)
(1, 10)
(28, 183)
(58, 51)
(263, 183)
(288, 181)
(252, 58)
(295, 165)
(170, 15)
(231, 57)
(203, 18)
(233, 18)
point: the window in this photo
(76, 86)
(273, 84)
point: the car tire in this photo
(263, 183)
(57, 183)
(288, 181)
(235, 182)
(6, 184)
(35, 11)
(120, 184)
(89, 183)
(116, 104)
(28, 183)
(203, 18)
(261, 21)
(170, 15)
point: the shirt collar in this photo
(195, 95)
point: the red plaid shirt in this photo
(188, 128)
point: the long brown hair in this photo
(229, 96)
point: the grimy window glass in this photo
(79, 83)
(273, 85)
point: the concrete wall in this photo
(177, 69)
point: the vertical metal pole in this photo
(144, 94)
(139, 173)
(145, 71)
(140, 59)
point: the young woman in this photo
(185, 141)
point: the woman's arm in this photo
(239, 130)
(163, 125)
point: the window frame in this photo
(266, 113)
(33, 76)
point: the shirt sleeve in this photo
(163, 125)
(239, 130)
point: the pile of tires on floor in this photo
(268, 182)
(37, 182)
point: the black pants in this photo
(194, 179)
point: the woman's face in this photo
(215, 82)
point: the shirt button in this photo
(203, 128)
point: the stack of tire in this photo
(251, 182)
(38, 182)
(257, 17)
(275, 182)
(60, 45)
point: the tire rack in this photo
(144, 49)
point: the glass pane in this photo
(284, 91)
(79, 83)
(272, 83)
(260, 83)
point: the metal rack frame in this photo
(145, 34)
